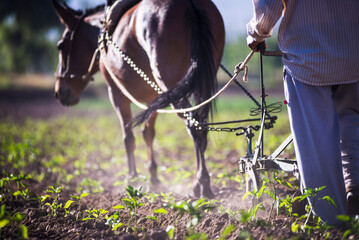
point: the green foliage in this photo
(91, 185)
(227, 231)
(77, 199)
(256, 195)
(271, 190)
(287, 204)
(26, 28)
(94, 214)
(196, 209)
(132, 204)
(55, 193)
(302, 223)
(71, 149)
(13, 185)
(197, 236)
(352, 224)
(157, 212)
(7, 219)
(114, 220)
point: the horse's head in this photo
(76, 50)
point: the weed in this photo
(171, 231)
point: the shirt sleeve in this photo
(266, 14)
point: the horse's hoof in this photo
(203, 192)
(207, 193)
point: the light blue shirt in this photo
(319, 38)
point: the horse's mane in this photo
(93, 10)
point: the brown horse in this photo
(178, 44)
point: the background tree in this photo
(28, 34)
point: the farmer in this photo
(319, 41)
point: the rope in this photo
(87, 76)
(240, 67)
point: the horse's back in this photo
(164, 30)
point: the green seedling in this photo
(90, 185)
(167, 197)
(41, 200)
(15, 220)
(271, 190)
(352, 224)
(114, 220)
(55, 205)
(196, 209)
(256, 195)
(9, 179)
(19, 180)
(287, 203)
(245, 216)
(25, 194)
(77, 199)
(311, 193)
(151, 197)
(269, 187)
(157, 211)
(94, 214)
(197, 236)
(228, 230)
(132, 204)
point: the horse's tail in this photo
(200, 79)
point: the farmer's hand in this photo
(256, 46)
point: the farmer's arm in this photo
(266, 14)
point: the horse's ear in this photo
(66, 15)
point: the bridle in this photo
(87, 77)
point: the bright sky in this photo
(236, 13)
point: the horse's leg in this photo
(202, 186)
(123, 110)
(148, 132)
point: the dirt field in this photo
(41, 224)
